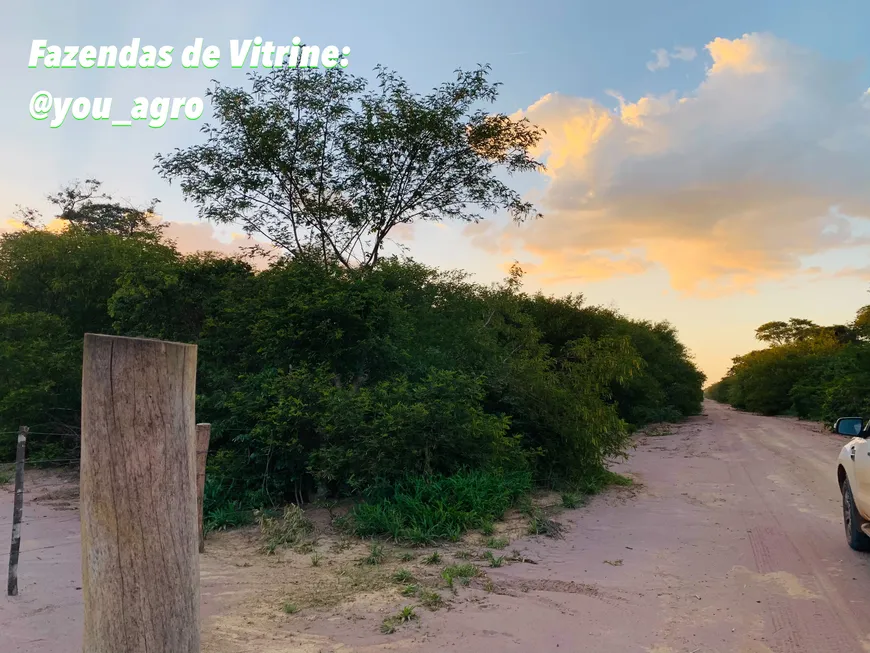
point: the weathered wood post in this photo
(17, 509)
(203, 435)
(140, 565)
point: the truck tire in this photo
(856, 538)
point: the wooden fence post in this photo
(17, 509)
(140, 566)
(203, 435)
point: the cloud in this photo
(663, 57)
(862, 273)
(190, 237)
(762, 164)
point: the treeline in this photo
(810, 371)
(317, 375)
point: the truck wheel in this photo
(856, 538)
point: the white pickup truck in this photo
(853, 475)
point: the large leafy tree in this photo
(323, 163)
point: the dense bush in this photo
(319, 378)
(812, 372)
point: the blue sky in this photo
(575, 53)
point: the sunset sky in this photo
(708, 163)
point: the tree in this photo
(781, 333)
(81, 205)
(318, 162)
(862, 322)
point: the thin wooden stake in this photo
(17, 510)
(140, 567)
(203, 435)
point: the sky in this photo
(708, 163)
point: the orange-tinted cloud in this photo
(723, 188)
(192, 237)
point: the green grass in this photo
(431, 599)
(464, 573)
(404, 615)
(423, 510)
(232, 514)
(497, 543)
(376, 554)
(290, 608)
(494, 561)
(571, 500)
(410, 590)
(407, 557)
(432, 559)
(226, 504)
(403, 576)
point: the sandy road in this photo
(732, 543)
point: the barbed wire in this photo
(31, 520)
(29, 433)
(42, 548)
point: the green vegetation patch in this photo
(423, 510)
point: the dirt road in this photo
(731, 543)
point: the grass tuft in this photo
(432, 559)
(376, 554)
(290, 608)
(571, 500)
(463, 573)
(497, 542)
(431, 599)
(406, 614)
(403, 576)
(289, 530)
(539, 524)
